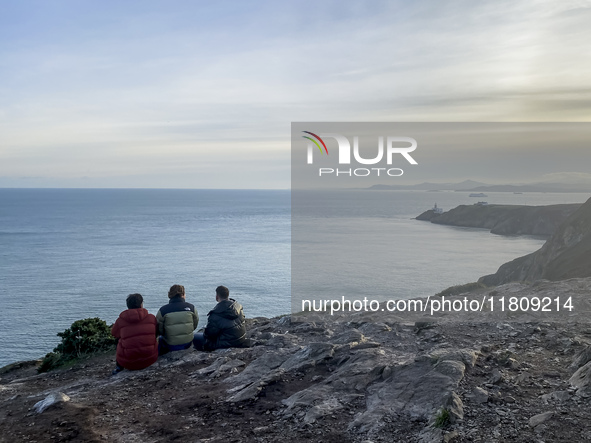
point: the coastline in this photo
(350, 378)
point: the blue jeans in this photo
(165, 348)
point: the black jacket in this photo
(226, 327)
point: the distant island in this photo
(478, 187)
(504, 219)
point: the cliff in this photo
(505, 219)
(309, 378)
(566, 254)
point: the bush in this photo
(442, 418)
(84, 337)
(49, 362)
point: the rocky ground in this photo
(357, 378)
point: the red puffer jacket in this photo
(136, 330)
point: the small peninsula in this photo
(505, 219)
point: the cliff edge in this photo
(309, 378)
(505, 219)
(566, 254)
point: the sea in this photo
(68, 254)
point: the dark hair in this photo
(222, 292)
(134, 301)
(176, 290)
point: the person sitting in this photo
(176, 322)
(137, 331)
(226, 326)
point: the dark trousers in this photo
(199, 341)
(165, 348)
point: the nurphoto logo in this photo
(394, 145)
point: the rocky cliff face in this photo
(359, 378)
(566, 254)
(505, 219)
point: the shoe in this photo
(117, 370)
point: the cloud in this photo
(125, 83)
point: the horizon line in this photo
(146, 188)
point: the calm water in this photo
(360, 243)
(71, 254)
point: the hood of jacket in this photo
(134, 315)
(229, 309)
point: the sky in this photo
(195, 94)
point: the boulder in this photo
(50, 400)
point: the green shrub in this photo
(49, 362)
(442, 418)
(84, 337)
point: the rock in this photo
(450, 436)
(219, 367)
(479, 395)
(327, 407)
(537, 420)
(455, 408)
(309, 356)
(260, 430)
(430, 435)
(348, 381)
(422, 325)
(496, 377)
(252, 391)
(275, 339)
(581, 359)
(582, 377)
(416, 389)
(512, 363)
(366, 345)
(466, 356)
(522, 378)
(559, 396)
(229, 367)
(453, 369)
(319, 402)
(51, 399)
(259, 367)
(350, 336)
(284, 321)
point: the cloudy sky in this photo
(197, 94)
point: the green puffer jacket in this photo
(176, 321)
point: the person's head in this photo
(222, 293)
(135, 301)
(176, 291)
